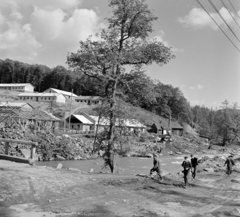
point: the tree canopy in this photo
(124, 43)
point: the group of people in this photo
(189, 166)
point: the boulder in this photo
(74, 169)
(127, 155)
(58, 157)
(134, 154)
(223, 158)
(59, 166)
(209, 170)
(101, 152)
(77, 158)
(66, 136)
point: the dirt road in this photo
(31, 191)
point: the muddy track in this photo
(42, 191)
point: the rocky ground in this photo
(69, 147)
(42, 191)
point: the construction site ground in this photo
(40, 191)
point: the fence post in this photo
(33, 150)
(6, 147)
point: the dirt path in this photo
(28, 191)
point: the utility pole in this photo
(170, 122)
(64, 122)
(70, 112)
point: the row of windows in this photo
(8, 88)
(42, 98)
(88, 101)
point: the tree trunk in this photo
(110, 152)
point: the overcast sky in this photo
(206, 68)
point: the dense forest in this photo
(142, 91)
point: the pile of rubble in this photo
(216, 163)
(185, 145)
(50, 146)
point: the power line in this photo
(234, 8)
(223, 19)
(218, 25)
(230, 14)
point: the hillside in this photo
(59, 109)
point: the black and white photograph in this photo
(119, 108)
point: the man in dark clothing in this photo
(229, 162)
(156, 166)
(194, 162)
(187, 166)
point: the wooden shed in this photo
(163, 127)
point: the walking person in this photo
(194, 162)
(230, 163)
(187, 167)
(156, 166)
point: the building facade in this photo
(89, 123)
(18, 87)
(89, 100)
(43, 97)
(66, 94)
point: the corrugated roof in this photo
(63, 92)
(36, 114)
(119, 122)
(165, 124)
(83, 119)
(88, 97)
(176, 125)
(15, 85)
(103, 121)
(14, 104)
(133, 123)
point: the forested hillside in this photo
(143, 92)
